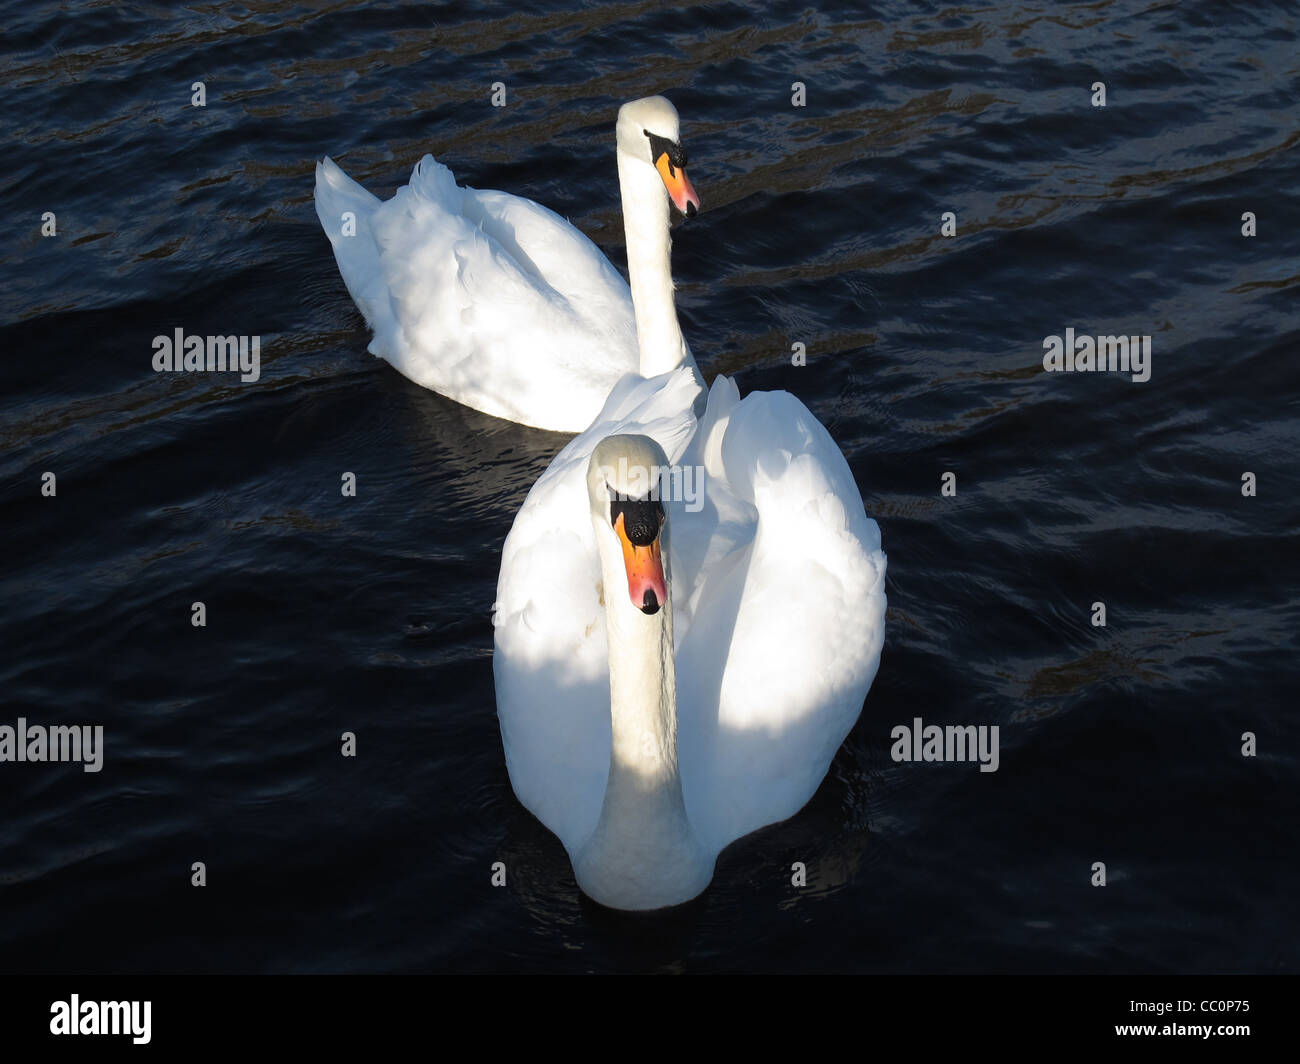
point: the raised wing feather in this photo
(786, 617)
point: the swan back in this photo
(487, 298)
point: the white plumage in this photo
(778, 601)
(487, 298)
(498, 303)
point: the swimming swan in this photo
(674, 672)
(499, 303)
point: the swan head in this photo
(648, 132)
(623, 486)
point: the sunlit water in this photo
(821, 226)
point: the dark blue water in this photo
(821, 225)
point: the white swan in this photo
(648, 739)
(499, 303)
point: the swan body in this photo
(647, 743)
(499, 303)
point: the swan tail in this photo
(346, 213)
(337, 194)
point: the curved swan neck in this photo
(645, 224)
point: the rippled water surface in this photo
(821, 225)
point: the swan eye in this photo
(643, 519)
(663, 146)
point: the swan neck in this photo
(643, 831)
(649, 247)
(643, 701)
(643, 852)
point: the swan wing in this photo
(487, 298)
(551, 657)
(785, 613)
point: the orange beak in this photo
(678, 185)
(645, 572)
